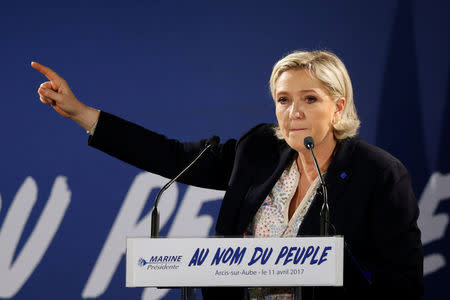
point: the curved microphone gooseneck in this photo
(213, 141)
(325, 211)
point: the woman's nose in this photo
(296, 112)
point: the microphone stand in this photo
(187, 293)
(155, 213)
(325, 211)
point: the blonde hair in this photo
(331, 72)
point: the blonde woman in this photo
(271, 181)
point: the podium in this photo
(226, 262)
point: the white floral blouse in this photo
(272, 220)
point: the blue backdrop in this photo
(191, 69)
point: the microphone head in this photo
(213, 141)
(308, 142)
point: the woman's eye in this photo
(282, 99)
(310, 99)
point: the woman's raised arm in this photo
(58, 94)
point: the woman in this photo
(271, 182)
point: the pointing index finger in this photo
(49, 73)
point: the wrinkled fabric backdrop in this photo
(189, 70)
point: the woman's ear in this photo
(340, 105)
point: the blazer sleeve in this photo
(398, 248)
(157, 154)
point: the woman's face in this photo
(304, 108)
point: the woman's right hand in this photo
(58, 94)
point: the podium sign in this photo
(196, 262)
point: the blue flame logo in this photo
(142, 262)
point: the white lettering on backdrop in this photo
(433, 225)
(14, 275)
(186, 223)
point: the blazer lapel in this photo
(258, 191)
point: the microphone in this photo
(325, 215)
(325, 211)
(211, 142)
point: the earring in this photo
(336, 120)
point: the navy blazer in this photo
(370, 196)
